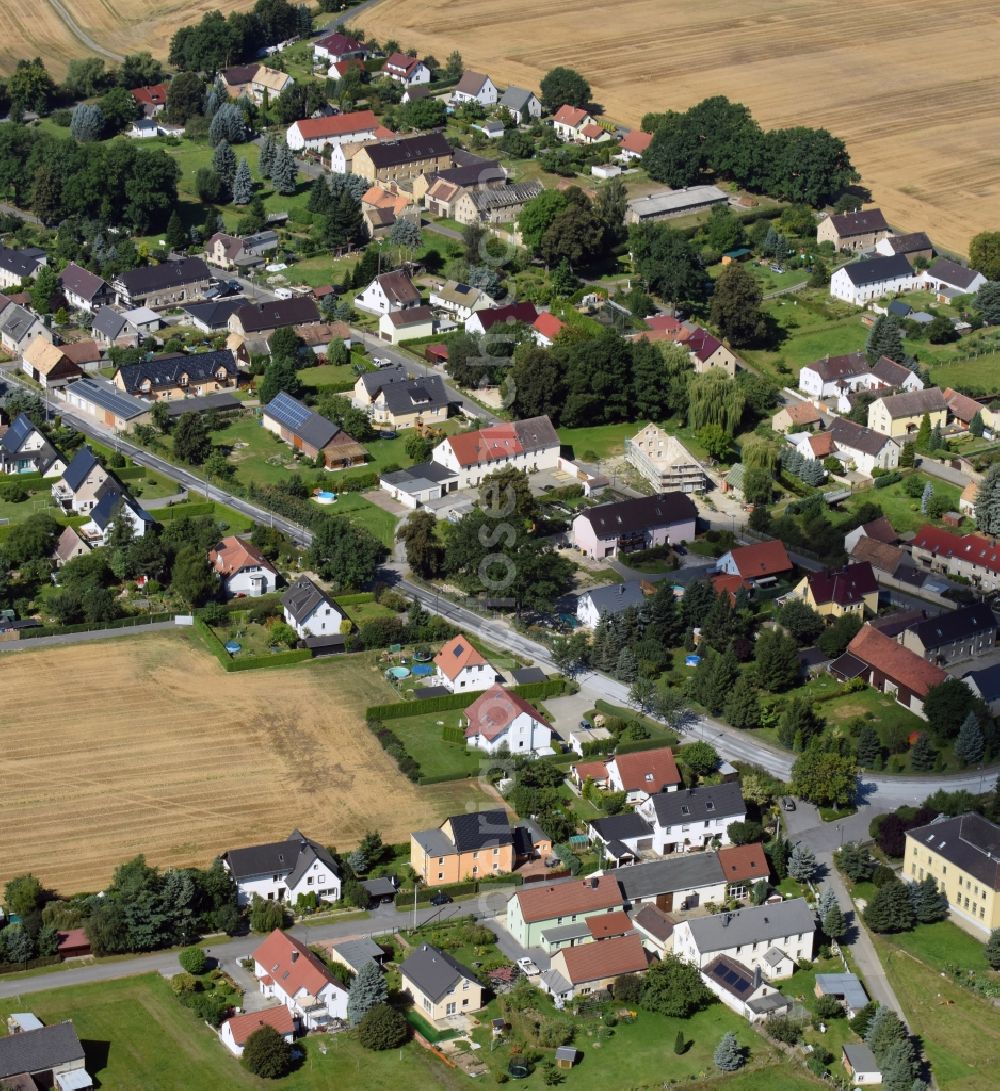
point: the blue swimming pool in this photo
(421, 670)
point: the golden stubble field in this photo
(913, 90)
(146, 745)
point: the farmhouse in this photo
(771, 938)
(593, 967)
(861, 448)
(473, 844)
(523, 106)
(529, 445)
(743, 990)
(406, 70)
(689, 819)
(242, 568)
(758, 563)
(389, 292)
(637, 523)
(84, 290)
(47, 364)
(315, 133)
(947, 279)
(460, 667)
(914, 247)
(664, 461)
(262, 319)
(308, 432)
(161, 285)
(835, 378)
(280, 871)
(615, 598)
(234, 1032)
(668, 203)
(338, 47)
(39, 1056)
(475, 87)
(501, 720)
(901, 414)
(83, 483)
(403, 159)
(963, 855)
(440, 986)
(25, 450)
(290, 973)
(497, 204)
(312, 614)
(838, 591)
(533, 911)
(890, 668)
(863, 281)
(950, 637)
(854, 231)
(170, 377)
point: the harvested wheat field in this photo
(912, 90)
(146, 745)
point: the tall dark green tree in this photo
(885, 339)
(564, 87)
(736, 306)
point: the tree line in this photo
(218, 41)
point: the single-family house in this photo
(858, 231)
(499, 720)
(111, 327)
(17, 266)
(834, 592)
(460, 301)
(409, 71)
(964, 633)
(312, 613)
(546, 329)
(268, 83)
(440, 986)
(279, 871)
(495, 204)
(394, 400)
(262, 319)
(242, 568)
(290, 973)
(460, 668)
(742, 866)
(655, 929)
(167, 378)
(708, 352)
(467, 845)
(83, 484)
(985, 684)
(163, 284)
(69, 545)
(845, 987)
(523, 106)
(315, 133)
(862, 281)
(485, 320)
(692, 818)
(758, 563)
(947, 280)
(112, 506)
(235, 1031)
(37, 1056)
(593, 967)
(797, 417)
(25, 450)
(531, 444)
(885, 560)
(403, 159)
(644, 773)
(235, 81)
(236, 252)
(970, 556)
(880, 530)
(538, 909)
(640, 522)
(151, 99)
(677, 883)
(665, 204)
(743, 990)
(84, 290)
(664, 461)
(901, 414)
(315, 436)
(963, 855)
(338, 47)
(615, 598)
(568, 121)
(19, 327)
(398, 326)
(773, 938)
(475, 87)
(634, 145)
(914, 247)
(861, 1064)
(212, 317)
(890, 668)
(389, 292)
(859, 448)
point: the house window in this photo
(440, 859)
(496, 852)
(440, 874)
(427, 1004)
(475, 870)
(309, 881)
(465, 983)
(274, 878)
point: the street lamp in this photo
(416, 887)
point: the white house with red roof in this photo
(503, 720)
(235, 1032)
(546, 328)
(291, 974)
(338, 47)
(569, 123)
(152, 99)
(461, 669)
(642, 774)
(409, 71)
(760, 561)
(529, 445)
(242, 568)
(314, 133)
(633, 145)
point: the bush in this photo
(383, 1028)
(194, 960)
(783, 1029)
(829, 1007)
(267, 1055)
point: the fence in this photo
(132, 622)
(537, 691)
(258, 662)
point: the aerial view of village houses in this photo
(499, 545)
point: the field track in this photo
(146, 745)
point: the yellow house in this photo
(852, 589)
(465, 846)
(963, 855)
(440, 986)
(900, 414)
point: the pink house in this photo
(638, 523)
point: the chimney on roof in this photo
(295, 957)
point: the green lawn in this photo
(136, 1034)
(314, 378)
(943, 945)
(603, 441)
(232, 521)
(421, 736)
(364, 513)
(782, 1077)
(802, 986)
(903, 512)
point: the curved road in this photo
(82, 35)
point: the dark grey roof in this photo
(82, 282)
(434, 972)
(733, 976)
(845, 433)
(698, 804)
(105, 394)
(18, 321)
(170, 274)
(987, 682)
(215, 315)
(861, 1058)
(481, 829)
(640, 513)
(22, 263)
(876, 269)
(970, 842)
(37, 1050)
(525, 675)
(82, 463)
(277, 313)
(752, 924)
(684, 871)
(104, 512)
(516, 98)
(374, 381)
(302, 598)
(653, 920)
(616, 597)
(960, 624)
(109, 322)
(844, 985)
(952, 273)
(415, 395)
(18, 432)
(292, 856)
(909, 244)
(859, 223)
(381, 887)
(620, 827)
(914, 402)
(301, 421)
(395, 153)
(536, 433)
(167, 370)
(471, 174)
(207, 403)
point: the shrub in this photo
(829, 1007)
(267, 1055)
(193, 960)
(783, 1029)
(383, 1028)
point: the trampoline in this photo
(398, 673)
(422, 670)
(423, 655)
(232, 647)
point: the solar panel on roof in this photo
(285, 408)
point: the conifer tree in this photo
(970, 744)
(367, 990)
(802, 862)
(729, 1054)
(242, 184)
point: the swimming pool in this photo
(398, 672)
(325, 497)
(692, 660)
(421, 670)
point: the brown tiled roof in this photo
(636, 142)
(821, 444)
(232, 554)
(317, 128)
(881, 555)
(761, 559)
(915, 403)
(882, 530)
(654, 921)
(611, 957)
(743, 862)
(961, 406)
(802, 413)
(845, 586)
(648, 770)
(242, 1026)
(456, 655)
(589, 895)
(610, 924)
(897, 663)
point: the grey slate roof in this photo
(18, 432)
(433, 842)
(563, 932)
(170, 274)
(876, 269)
(302, 598)
(215, 315)
(952, 273)
(915, 402)
(516, 98)
(909, 244)
(82, 463)
(357, 953)
(38, 1050)
(711, 801)
(395, 153)
(640, 513)
(17, 322)
(859, 223)
(960, 624)
(652, 919)
(846, 985)
(525, 675)
(374, 381)
(415, 395)
(167, 370)
(621, 826)
(970, 842)
(435, 973)
(109, 323)
(293, 856)
(987, 682)
(277, 313)
(861, 1058)
(684, 871)
(82, 282)
(615, 598)
(856, 437)
(301, 421)
(22, 263)
(752, 924)
(104, 512)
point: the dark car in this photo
(440, 899)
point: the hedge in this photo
(186, 509)
(401, 710)
(240, 606)
(886, 479)
(216, 647)
(130, 622)
(31, 964)
(356, 599)
(453, 733)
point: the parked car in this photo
(527, 967)
(586, 725)
(441, 899)
(788, 803)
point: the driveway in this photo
(568, 711)
(253, 998)
(513, 950)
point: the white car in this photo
(381, 361)
(528, 967)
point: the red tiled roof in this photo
(401, 61)
(598, 770)
(845, 586)
(548, 325)
(315, 128)
(802, 412)
(592, 131)
(292, 965)
(486, 445)
(232, 554)
(648, 770)
(456, 655)
(153, 95)
(731, 585)
(897, 663)
(495, 710)
(610, 924)
(569, 115)
(636, 141)
(970, 548)
(597, 961)
(761, 559)
(242, 1026)
(665, 322)
(338, 44)
(961, 406)
(589, 895)
(512, 312)
(73, 939)
(821, 444)
(743, 862)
